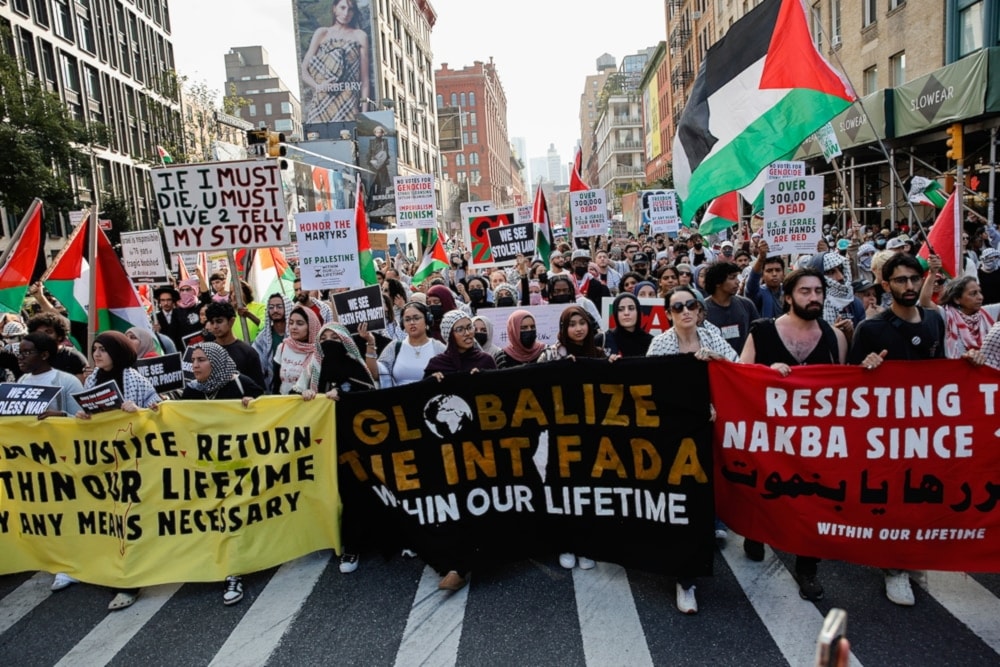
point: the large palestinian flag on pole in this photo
(21, 265)
(576, 184)
(68, 281)
(543, 226)
(762, 90)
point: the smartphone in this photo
(828, 643)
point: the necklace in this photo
(417, 349)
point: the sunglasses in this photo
(690, 304)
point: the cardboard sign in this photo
(164, 373)
(546, 321)
(525, 213)
(221, 205)
(328, 249)
(415, 205)
(25, 399)
(785, 169)
(663, 214)
(468, 209)
(105, 396)
(793, 214)
(509, 241)
(475, 229)
(827, 138)
(360, 306)
(142, 255)
(589, 209)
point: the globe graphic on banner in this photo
(447, 415)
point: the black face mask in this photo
(528, 338)
(580, 271)
(477, 295)
(505, 302)
(482, 337)
(561, 298)
(437, 310)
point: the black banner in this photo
(163, 372)
(509, 241)
(105, 396)
(611, 461)
(358, 306)
(25, 399)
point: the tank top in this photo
(771, 349)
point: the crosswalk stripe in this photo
(23, 599)
(434, 626)
(968, 601)
(260, 630)
(109, 636)
(609, 621)
(774, 594)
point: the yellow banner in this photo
(194, 492)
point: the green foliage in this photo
(116, 209)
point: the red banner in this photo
(897, 467)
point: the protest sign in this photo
(164, 372)
(194, 491)
(827, 138)
(142, 256)
(663, 214)
(25, 399)
(793, 214)
(467, 209)
(589, 210)
(509, 241)
(786, 169)
(221, 205)
(537, 459)
(415, 205)
(105, 396)
(893, 468)
(653, 314)
(328, 249)
(475, 230)
(525, 213)
(359, 306)
(546, 318)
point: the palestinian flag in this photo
(165, 157)
(270, 274)
(25, 260)
(543, 228)
(435, 258)
(366, 263)
(924, 191)
(118, 305)
(945, 239)
(68, 279)
(762, 90)
(576, 184)
(722, 213)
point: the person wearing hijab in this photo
(505, 295)
(645, 289)
(522, 341)
(440, 300)
(272, 333)
(577, 335)
(626, 338)
(294, 352)
(483, 331)
(217, 378)
(144, 343)
(337, 366)
(991, 347)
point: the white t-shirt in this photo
(69, 384)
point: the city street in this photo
(531, 613)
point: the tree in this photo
(201, 123)
(43, 145)
(116, 209)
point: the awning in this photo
(953, 93)
(861, 123)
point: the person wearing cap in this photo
(699, 252)
(640, 264)
(559, 261)
(727, 252)
(584, 281)
(171, 320)
(864, 290)
(896, 244)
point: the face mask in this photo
(505, 302)
(990, 264)
(865, 262)
(580, 271)
(560, 298)
(535, 298)
(437, 310)
(476, 295)
(528, 338)
(333, 349)
(481, 337)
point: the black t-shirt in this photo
(770, 349)
(69, 359)
(247, 360)
(903, 340)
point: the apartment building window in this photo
(971, 25)
(473, 157)
(817, 26)
(475, 137)
(28, 51)
(268, 109)
(440, 101)
(461, 99)
(868, 8)
(460, 160)
(897, 69)
(454, 99)
(64, 19)
(835, 34)
(41, 11)
(286, 107)
(472, 118)
(472, 99)
(444, 161)
(252, 110)
(85, 26)
(871, 80)
(893, 4)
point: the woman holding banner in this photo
(295, 351)
(522, 341)
(404, 361)
(217, 378)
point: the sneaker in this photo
(686, 601)
(585, 563)
(809, 588)
(721, 533)
(898, 589)
(567, 560)
(234, 590)
(62, 580)
(452, 581)
(348, 563)
(753, 549)
(409, 553)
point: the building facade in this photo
(657, 123)
(265, 99)
(589, 102)
(111, 62)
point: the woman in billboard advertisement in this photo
(336, 67)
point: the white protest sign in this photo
(328, 249)
(546, 320)
(793, 214)
(827, 139)
(525, 213)
(221, 205)
(785, 169)
(467, 209)
(415, 206)
(142, 255)
(663, 214)
(589, 209)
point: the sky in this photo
(543, 49)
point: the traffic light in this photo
(954, 142)
(276, 144)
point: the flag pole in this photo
(20, 230)
(843, 188)
(92, 323)
(238, 293)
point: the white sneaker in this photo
(62, 580)
(686, 602)
(567, 560)
(898, 589)
(585, 563)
